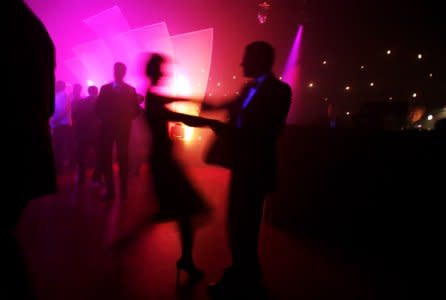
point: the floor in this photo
(68, 242)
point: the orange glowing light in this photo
(179, 130)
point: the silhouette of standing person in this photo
(76, 93)
(255, 121)
(85, 127)
(178, 200)
(116, 106)
(61, 124)
(74, 97)
(29, 168)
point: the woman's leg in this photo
(187, 239)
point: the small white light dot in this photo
(430, 117)
(326, 99)
(324, 62)
(430, 75)
(234, 77)
(218, 83)
(420, 56)
(389, 52)
(280, 77)
(210, 94)
(390, 98)
(347, 88)
(362, 67)
(310, 84)
(372, 84)
(347, 113)
(414, 95)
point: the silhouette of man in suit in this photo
(28, 167)
(255, 121)
(117, 105)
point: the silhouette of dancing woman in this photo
(178, 200)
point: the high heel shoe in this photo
(188, 266)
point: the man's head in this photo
(93, 91)
(119, 71)
(258, 59)
(77, 89)
(60, 86)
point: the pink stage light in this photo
(193, 54)
(97, 59)
(291, 76)
(108, 23)
(189, 57)
(190, 53)
(138, 44)
(78, 69)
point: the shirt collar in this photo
(117, 85)
(258, 81)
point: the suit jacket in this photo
(117, 106)
(252, 147)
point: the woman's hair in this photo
(153, 67)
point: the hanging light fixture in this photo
(263, 11)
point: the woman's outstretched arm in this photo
(194, 121)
